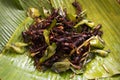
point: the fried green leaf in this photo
(61, 66)
(50, 51)
(97, 42)
(32, 12)
(85, 21)
(46, 36)
(47, 31)
(101, 52)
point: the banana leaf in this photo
(13, 21)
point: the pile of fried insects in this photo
(61, 44)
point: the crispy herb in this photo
(101, 52)
(97, 42)
(17, 47)
(61, 66)
(46, 36)
(32, 12)
(56, 38)
(86, 22)
(50, 51)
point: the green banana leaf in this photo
(13, 21)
